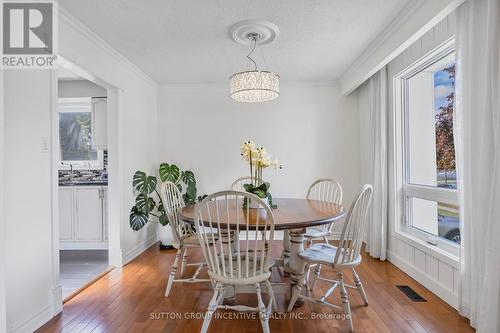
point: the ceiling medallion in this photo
(254, 86)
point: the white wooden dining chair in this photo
(237, 261)
(345, 256)
(183, 234)
(237, 185)
(327, 190)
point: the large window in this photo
(427, 98)
(75, 135)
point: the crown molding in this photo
(65, 16)
(311, 83)
(225, 85)
(412, 22)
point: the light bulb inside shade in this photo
(255, 86)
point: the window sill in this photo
(444, 256)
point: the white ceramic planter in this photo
(165, 234)
(255, 205)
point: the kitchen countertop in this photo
(97, 182)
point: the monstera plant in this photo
(147, 198)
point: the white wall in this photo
(434, 269)
(135, 126)
(3, 314)
(32, 293)
(312, 130)
(79, 88)
(27, 207)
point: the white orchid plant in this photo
(258, 160)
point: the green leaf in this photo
(144, 183)
(163, 220)
(169, 172)
(191, 191)
(161, 208)
(190, 195)
(137, 219)
(270, 201)
(144, 203)
(188, 178)
(248, 187)
(260, 193)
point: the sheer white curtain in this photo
(372, 110)
(478, 127)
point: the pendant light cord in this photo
(251, 51)
(263, 58)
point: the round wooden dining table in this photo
(293, 216)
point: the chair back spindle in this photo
(240, 253)
(172, 201)
(325, 189)
(351, 238)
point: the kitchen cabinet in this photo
(82, 217)
(88, 214)
(99, 123)
(105, 214)
(65, 213)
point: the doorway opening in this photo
(82, 217)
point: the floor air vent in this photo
(412, 294)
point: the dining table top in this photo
(289, 214)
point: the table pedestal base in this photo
(286, 253)
(296, 265)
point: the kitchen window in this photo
(425, 98)
(75, 135)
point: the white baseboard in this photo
(56, 300)
(424, 279)
(115, 257)
(131, 254)
(43, 316)
(32, 323)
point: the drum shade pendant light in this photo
(254, 86)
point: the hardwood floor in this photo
(131, 300)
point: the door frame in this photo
(3, 305)
(114, 96)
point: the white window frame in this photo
(79, 104)
(403, 187)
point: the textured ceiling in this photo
(187, 41)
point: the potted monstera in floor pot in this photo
(148, 206)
